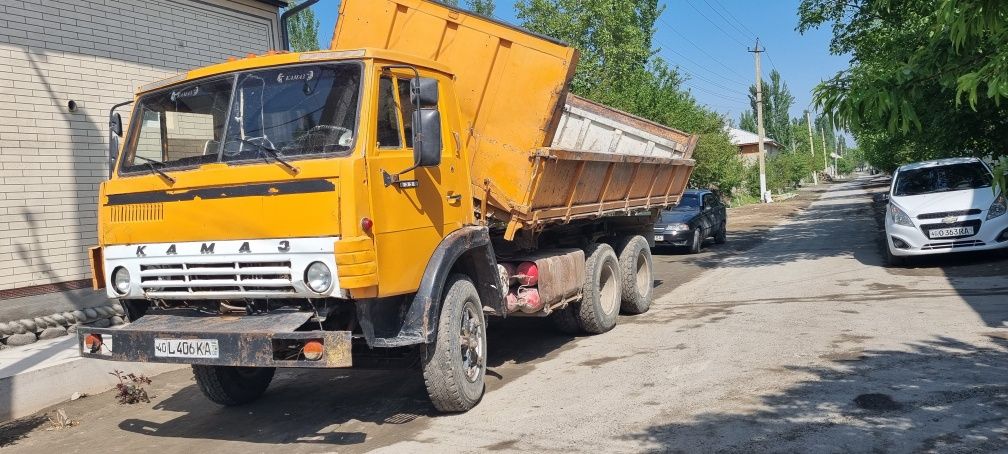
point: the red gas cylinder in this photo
(527, 273)
(528, 301)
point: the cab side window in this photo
(388, 115)
(708, 201)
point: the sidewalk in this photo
(48, 371)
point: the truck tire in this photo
(455, 365)
(232, 385)
(638, 274)
(600, 300)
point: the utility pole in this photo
(759, 124)
(825, 158)
(811, 142)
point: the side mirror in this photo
(424, 91)
(115, 124)
(426, 138)
(115, 132)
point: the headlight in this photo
(997, 208)
(121, 280)
(898, 216)
(676, 227)
(318, 277)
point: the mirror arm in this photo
(393, 178)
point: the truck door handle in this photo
(454, 198)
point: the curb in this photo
(48, 372)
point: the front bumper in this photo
(676, 238)
(243, 341)
(916, 243)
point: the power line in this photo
(728, 11)
(713, 23)
(716, 60)
(712, 93)
(713, 83)
(744, 35)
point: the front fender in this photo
(469, 246)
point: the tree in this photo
(303, 30)
(484, 7)
(777, 103)
(927, 77)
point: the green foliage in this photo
(927, 77)
(777, 102)
(484, 7)
(303, 30)
(618, 68)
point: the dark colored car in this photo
(698, 216)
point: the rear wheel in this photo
(455, 365)
(638, 278)
(233, 385)
(600, 301)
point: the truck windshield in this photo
(952, 177)
(291, 111)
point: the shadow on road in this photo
(943, 395)
(343, 407)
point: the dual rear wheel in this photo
(617, 277)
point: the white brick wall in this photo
(94, 52)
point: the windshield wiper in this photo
(272, 152)
(150, 165)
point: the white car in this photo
(942, 206)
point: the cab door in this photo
(411, 217)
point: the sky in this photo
(709, 41)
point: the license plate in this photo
(951, 231)
(659, 237)
(186, 348)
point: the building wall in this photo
(96, 53)
(750, 152)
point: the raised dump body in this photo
(538, 154)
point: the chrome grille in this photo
(266, 278)
(943, 214)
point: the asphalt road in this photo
(787, 339)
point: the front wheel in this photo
(722, 235)
(893, 260)
(696, 242)
(233, 385)
(455, 365)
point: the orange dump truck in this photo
(371, 204)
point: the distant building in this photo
(63, 64)
(748, 144)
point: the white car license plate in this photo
(951, 231)
(186, 348)
(659, 237)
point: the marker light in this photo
(366, 224)
(93, 342)
(313, 350)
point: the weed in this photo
(130, 389)
(61, 420)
